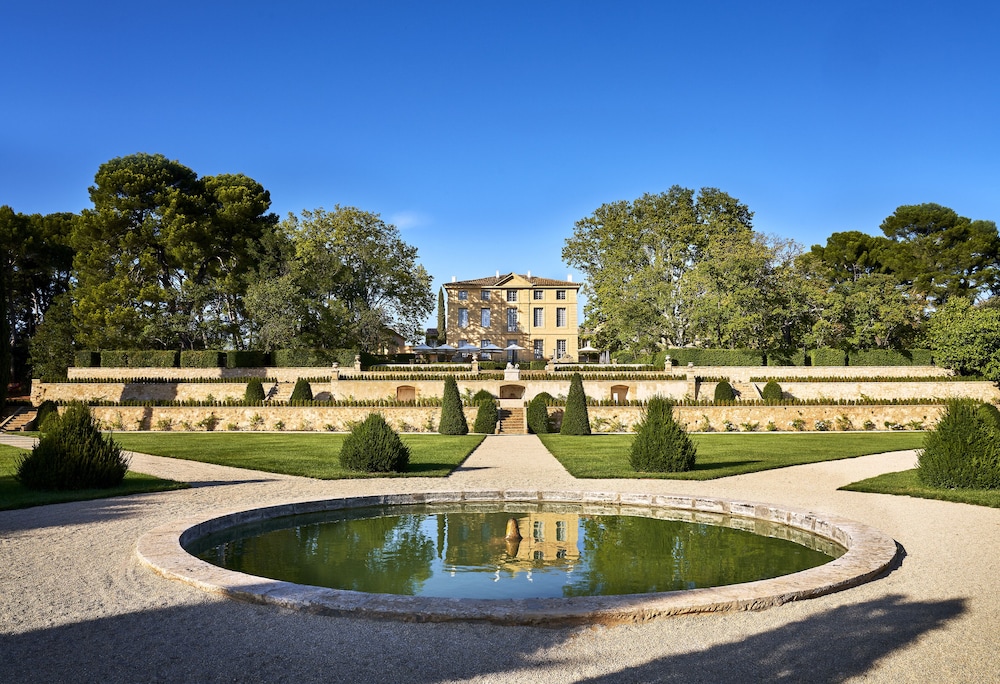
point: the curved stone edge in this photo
(869, 553)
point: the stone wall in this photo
(744, 373)
(277, 373)
(983, 391)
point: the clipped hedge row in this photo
(202, 359)
(827, 357)
(139, 358)
(890, 357)
(87, 359)
(300, 358)
(711, 357)
(246, 359)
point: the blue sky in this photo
(484, 130)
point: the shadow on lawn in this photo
(222, 640)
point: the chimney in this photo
(569, 277)
(498, 274)
(453, 279)
(529, 275)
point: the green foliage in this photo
(771, 391)
(827, 357)
(782, 357)
(487, 417)
(374, 447)
(661, 445)
(245, 359)
(201, 359)
(301, 392)
(254, 393)
(713, 357)
(452, 416)
(963, 450)
(482, 396)
(724, 392)
(889, 357)
(966, 338)
(51, 347)
(151, 358)
(73, 454)
(442, 318)
(46, 409)
(303, 358)
(87, 359)
(537, 415)
(990, 411)
(576, 419)
(114, 358)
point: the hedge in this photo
(152, 358)
(246, 359)
(87, 359)
(711, 357)
(827, 357)
(890, 357)
(201, 359)
(300, 358)
(114, 359)
(786, 358)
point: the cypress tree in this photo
(452, 416)
(487, 417)
(254, 393)
(442, 318)
(576, 419)
(661, 445)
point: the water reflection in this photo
(460, 550)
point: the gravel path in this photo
(75, 604)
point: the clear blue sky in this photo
(484, 130)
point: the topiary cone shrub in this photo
(576, 419)
(771, 392)
(254, 393)
(724, 392)
(963, 450)
(301, 392)
(537, 415)
(487, 417)
(46, 409)
(374, 447)
(452, 416)
(661, 445)
(73, 454)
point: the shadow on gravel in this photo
(831, 647)
(72, 513)
(222, 640)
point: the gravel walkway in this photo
(75, 604)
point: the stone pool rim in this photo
(869, 553)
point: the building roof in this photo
(506, 278)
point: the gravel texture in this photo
(76, 604)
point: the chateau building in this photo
(538, 314)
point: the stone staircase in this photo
(18, 420)
(512, 422)
(282, 391)
(745, 391)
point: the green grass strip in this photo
(15, 495)
(906, 483)
(307, 454)
(722, 455)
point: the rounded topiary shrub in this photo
(254, 393)
(537, 415)
(771, 391)
(45, 411)
(73, 454)
(482, 396)
(724, 392)
(963, 450)
(452, 416)
(301, 392)
(374, 447)
(576, 419)
(661, 445)
(990, 411)
(487, 417)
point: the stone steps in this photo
(512, 422)
(19, 420)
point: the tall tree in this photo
(966, 338)
(442, 318)
(635, 254)
(358, 277)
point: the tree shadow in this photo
(224, 640)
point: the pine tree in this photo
(452, 416)
(576, 419)
(661, 445)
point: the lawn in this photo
(307, 454)
(722, 455)
(15, 495)
(906, 483)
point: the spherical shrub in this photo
(301, 392)
(482, 396)
(537, 414)
(661, 445)
(374, 447)
(724, 392)
(576, 419)
(254, 393)
(771, 391)
(452, 416)
(73, 454)
(963, 450)
(487, 417)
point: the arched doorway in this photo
(406, 393)
(511, 391)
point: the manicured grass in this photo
(906, 483)
(307, 454)
(15, 495)
(722, 455)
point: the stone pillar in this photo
(357, 362)
(475, 366)
(692, 382)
